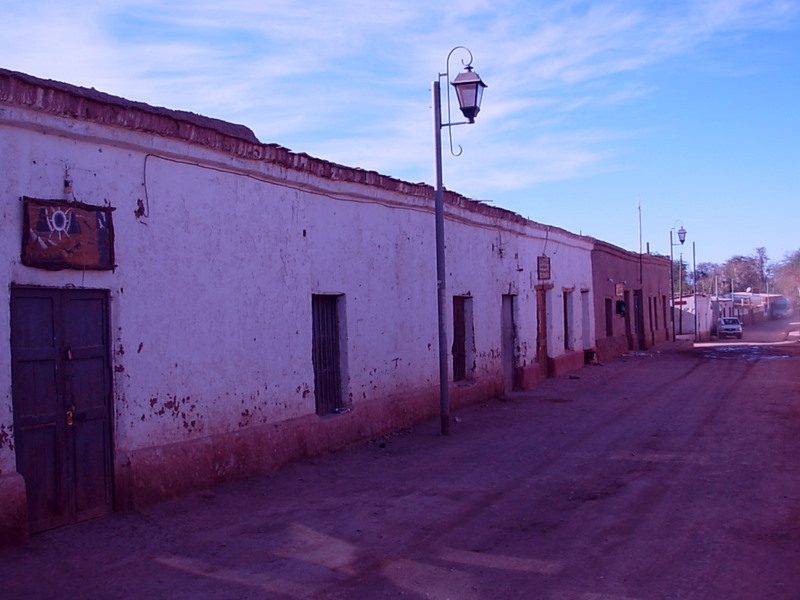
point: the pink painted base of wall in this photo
(565, 363)
(608, 348)
(149, 475)
(13, 510)
(531, 376)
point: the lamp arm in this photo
(449, 124)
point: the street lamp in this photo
(469, 90)
(682, 238)
(694, 288)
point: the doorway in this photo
(541, 330)
(509, 343)
(463, 339)
(61, 394)
(326, 353)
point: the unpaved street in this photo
(670, 474)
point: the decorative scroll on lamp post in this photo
(469, 91)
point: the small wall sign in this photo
(543, 267)
(57, 234)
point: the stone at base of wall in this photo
(149, 475)
(13, 510)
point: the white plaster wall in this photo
(572, 269)
(211, 300)
(241, 258)
(487, 258)
(35, 164)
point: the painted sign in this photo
(58, 234)
(543, 267)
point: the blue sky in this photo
(687, 109)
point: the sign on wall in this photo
(543, 267)
(57, 234)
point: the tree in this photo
(708, 278)
(753, 273)
(744, 273)
(763, 265)
(681, 276)
(786, 276)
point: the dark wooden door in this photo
(459, 338)
(638, 310)
(541, 331)
(509, 343)
(62, 403)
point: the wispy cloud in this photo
(348, 79)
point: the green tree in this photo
(708, 278)
(744, 273)
(786, 276)
(681, 277)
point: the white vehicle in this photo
(729, 326)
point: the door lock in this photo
(71, 415)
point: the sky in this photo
(620, 120)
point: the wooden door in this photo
(541, 331)
(459, 338)
(638, 316)
(509, 343)
(61, 389)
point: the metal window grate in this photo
(325, 350)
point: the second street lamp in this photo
(469, 90)
(682, 238)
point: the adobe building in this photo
(631, 300)
(185, 305)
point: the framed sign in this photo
(543, 267)
(57, 234)
(620, 289)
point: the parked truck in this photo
(780, 308)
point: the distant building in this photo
(631, 300)
(695, 316)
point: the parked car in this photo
(729, 326)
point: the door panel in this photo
(40, 461)
(459, 338)
(61, 394)
(541, 331)
(39, 427)
(509, 342)
(92, 479)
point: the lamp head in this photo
(682, 234)
(469, 89)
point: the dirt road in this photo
(671, 474)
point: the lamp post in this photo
(469, 90)
(682, 238)
(694, 288)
